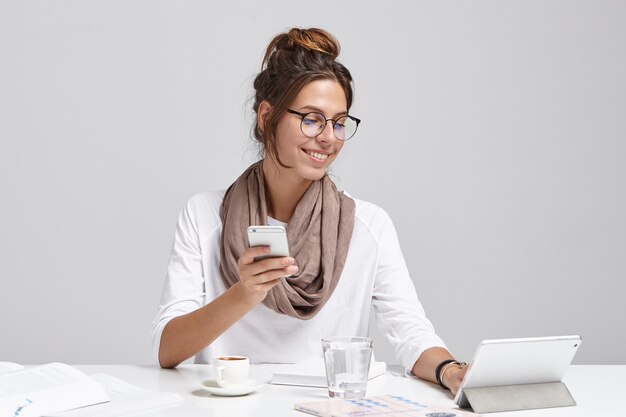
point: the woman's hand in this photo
(186, 335)
(256, 278)
(453, 377)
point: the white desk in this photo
(598, 389)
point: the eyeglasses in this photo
(314, 123)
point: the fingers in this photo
(248, 255)
(271, 264)
(248, 259)
(258, 277)
(265, 270)
(272, 275)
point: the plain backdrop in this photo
(494, 134)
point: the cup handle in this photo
(218, 375)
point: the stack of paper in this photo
(46, 389)
(312, 373)
(126, 399)
(60, 390)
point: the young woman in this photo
(345, 256)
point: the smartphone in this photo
(273, 236)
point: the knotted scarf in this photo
(318, 233)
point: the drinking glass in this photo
(347, 362)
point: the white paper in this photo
(9, 367)
(47, 389)
(126, 399)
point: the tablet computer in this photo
(530, 360)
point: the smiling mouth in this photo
(317, 155)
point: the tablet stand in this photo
(518, 397)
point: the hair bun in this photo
(315, 39)
(312, 39)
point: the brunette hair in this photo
(292, 60)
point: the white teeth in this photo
(317, 155)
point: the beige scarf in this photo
(318, 233)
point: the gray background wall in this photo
(493, 133)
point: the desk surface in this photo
(597, 389)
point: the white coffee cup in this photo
(231, 370)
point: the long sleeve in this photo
(184, 288)
(399, 314)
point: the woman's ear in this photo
(264, 110)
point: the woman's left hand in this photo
(453, 377)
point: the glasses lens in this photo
(345, 128)
(313, 124)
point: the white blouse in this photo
(374, 274)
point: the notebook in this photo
(382, 405)
(312, 373)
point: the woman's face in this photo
(309, 157)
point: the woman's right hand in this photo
(256, 278)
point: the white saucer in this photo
(245, 389)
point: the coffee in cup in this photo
(231, 370)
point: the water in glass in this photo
(347, 365)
